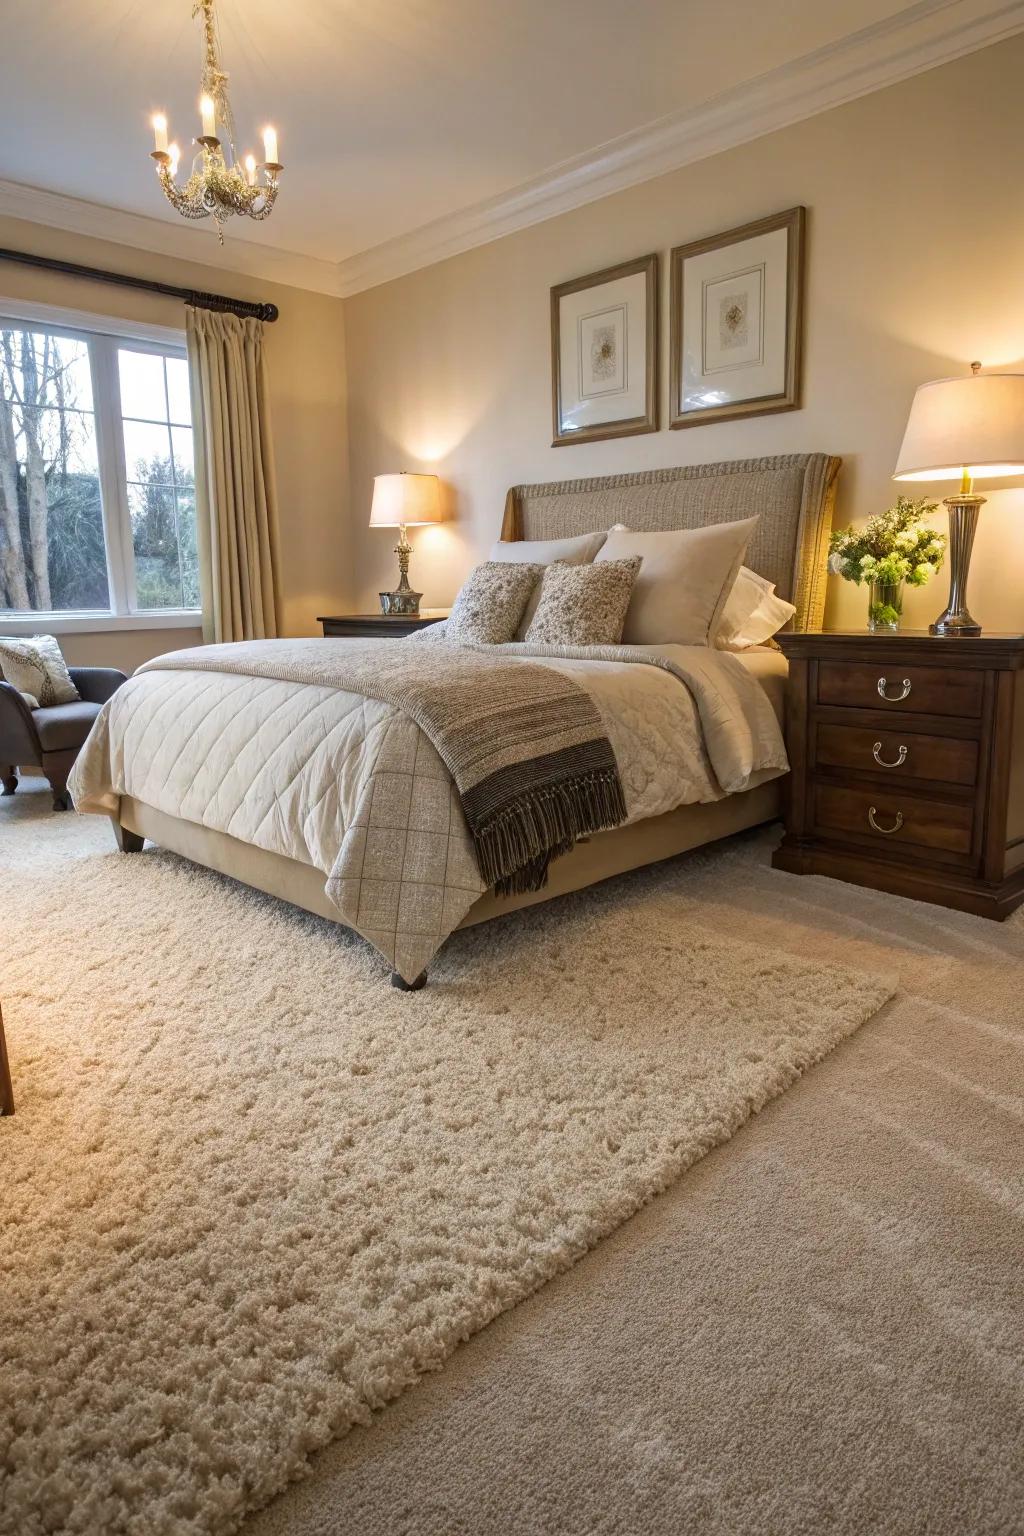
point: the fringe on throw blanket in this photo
(517, 828)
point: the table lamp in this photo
(964, 429)
(398, 502)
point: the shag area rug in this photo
(251, 1192)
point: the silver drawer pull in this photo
(893, 698)
(886, 831)
(876, 752)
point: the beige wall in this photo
(306, 364)
(916, 235)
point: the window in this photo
(97, 480)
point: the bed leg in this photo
(128, 842)
(408, 986)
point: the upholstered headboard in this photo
(792, 495)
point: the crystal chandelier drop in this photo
(219, 186)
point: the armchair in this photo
(51, 738)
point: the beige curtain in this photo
(236, 495)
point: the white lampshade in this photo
(399, 499)
(974, 423)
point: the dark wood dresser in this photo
(371, 626)
(907, 759)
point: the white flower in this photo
(867, 562)
(934, 547)
(924, 572)
(907, 539)
(835, 562)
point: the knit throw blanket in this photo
(524, 744)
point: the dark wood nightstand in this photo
(367, 626)
(907, 759)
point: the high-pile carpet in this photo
(252, 1192)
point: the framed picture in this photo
(604, 353)
(737, 322)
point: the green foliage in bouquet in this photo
(892, 547)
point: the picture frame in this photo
(736, 322)
(604, 353)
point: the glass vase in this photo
(885, 605)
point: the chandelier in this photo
(218, 186)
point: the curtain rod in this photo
(190, 295)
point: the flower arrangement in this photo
(893, 547)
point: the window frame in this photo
(104, 335)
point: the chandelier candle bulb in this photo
(174, 150)
(250, 169)
(159, 132)
(209, 115)
(270, 146)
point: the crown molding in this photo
(183, 241)
(925, 35)
(928, 34)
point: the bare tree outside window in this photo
(52, 554)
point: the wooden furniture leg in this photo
(8, 778)
(128, 842)
(6, 1086)
(408, 986)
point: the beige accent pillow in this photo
(753, 613)
(583, 604)
(578, 551)
(491, 603)
(36, 667)
(684, 580)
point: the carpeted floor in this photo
(819, 1329)
(252, 1192)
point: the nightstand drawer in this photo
(908, 754)
(892, 819)
(897, 685)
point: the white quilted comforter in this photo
(352, 787)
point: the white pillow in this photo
(578, 551)
(684, 580)
(36, 667)
(752, 614)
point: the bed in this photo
(251, 762)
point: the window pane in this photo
(147, 452)
(52, 555)
(163, 537)
(142, 385)
(187, 548)
(184, 469)
(47, 370)
(177, 391)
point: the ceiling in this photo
(396, 114)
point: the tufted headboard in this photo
(793, 496)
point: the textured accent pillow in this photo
(684, 580)
(583, 604)
(753, 613)
(36, 667)
(491, 603)
(578, 551)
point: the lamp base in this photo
(400, 601)
(403, 599)
(963, 524)
(954, 624)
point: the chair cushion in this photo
(64, 726)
